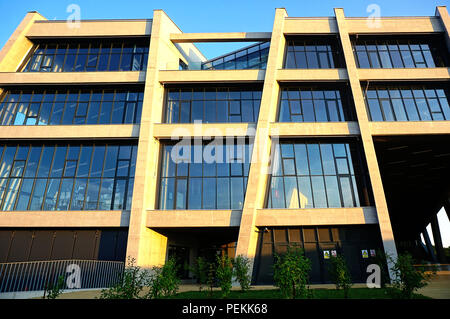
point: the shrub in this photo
(408, 278)
(224, 274)
(340, 274)
(211, 278)
(54, 290)
(241, 269)
(163, 281)
(381, 261)
(200, 271)
(291, 272)
(131, 283)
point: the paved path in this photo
(439, 287)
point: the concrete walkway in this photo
(439, 287)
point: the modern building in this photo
(119, 138)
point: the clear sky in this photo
(215, 16)
(207, 15)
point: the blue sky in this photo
(215, 16)
(207, 15)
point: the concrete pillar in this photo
(447, 208)
(429, 246)
(257, 179)
(367, 140)
(18, 45)
(147, 246)
(438, 240)
(442, 13)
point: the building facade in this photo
(118, 138)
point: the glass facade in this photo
(314, 104)
(204, 176)
(312, 54)
(84, 56)
(62, 176)
(253, 57)
(316, 175)
(408, 103)
(398, 53)
(77, 106)
(212, 104)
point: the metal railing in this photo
(41, 275)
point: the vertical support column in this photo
(442, 13)
(17, 47)
(429, 246)
(447, 207)
(369, 149)
(147, 246)
(438, 239)
(257, 179)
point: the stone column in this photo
(438, 240)
(369, 150)
(257, 179)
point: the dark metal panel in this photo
(42, 245)
(63, 245)
(84, 244)
(20, 246)
(5, 243)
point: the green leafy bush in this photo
(224, 274)
(211, 278)
(163, 281)
(241, 269)
(291, 273)
(132, 281)
(407, 277)
(381, 261)
(200, 271)
(340, 275)
(54, 290)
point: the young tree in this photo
(211, 278)
(241, 268)
(132, 281)
(163, 281)
(407, 277)
(54, 290)
(200, 271)
(291, 273)
(224, 274)
(340, 274)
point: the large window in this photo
(316, 175)
(408, 103)
(314, 104)
(61, 176)
(306, 53)
(212, 104)
(399, 53)
(83, 56)
(77, 106)
(253, 57)
(207, 176)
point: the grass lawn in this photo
(355, 293)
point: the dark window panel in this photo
(403, 104)
(398, 52)
(81, 57)
(322, 186)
